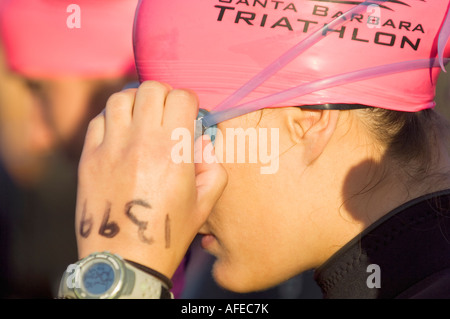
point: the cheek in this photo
(256, 237)
(258, 226)
(256, 257)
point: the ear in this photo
(312, 129)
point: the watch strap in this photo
(149, 284)
(167, 282)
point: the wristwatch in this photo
(108, 276)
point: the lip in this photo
(207, 241)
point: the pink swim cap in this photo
(52, 38)
(380, 53)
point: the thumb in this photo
(211, 176)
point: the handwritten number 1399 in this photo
(110, 229)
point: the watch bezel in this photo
(118, 266)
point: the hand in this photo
(133, 199)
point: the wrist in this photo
(150, 256)
(109, 276)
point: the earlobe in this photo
(313, 129)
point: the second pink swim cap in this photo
(215, 47)
(54, 38)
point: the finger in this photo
(118, 113)
(149, 104)
(211, 178)
(181, 110)
(95, 133)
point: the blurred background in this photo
(45, 106)
(59, 63)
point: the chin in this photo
(237, 280)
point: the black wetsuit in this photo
(406, 254)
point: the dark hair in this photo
(410, 138)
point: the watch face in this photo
(102, 276)
(98, 278)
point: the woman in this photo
(361, 186)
